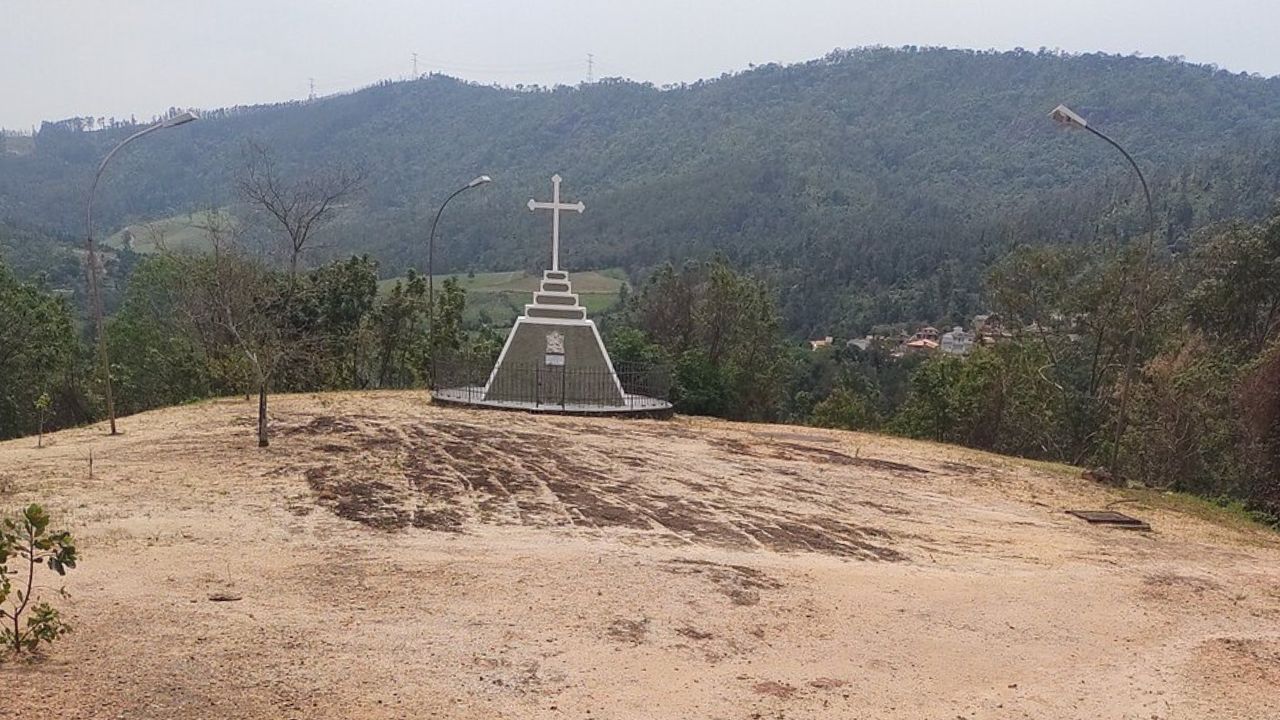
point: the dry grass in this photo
(398, 560)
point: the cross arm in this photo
(578, 206)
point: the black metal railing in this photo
(631, 386)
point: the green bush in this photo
(846, 409)
(26, 543)
(701, 387)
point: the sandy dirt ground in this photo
(395, 560)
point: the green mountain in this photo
(870, 185)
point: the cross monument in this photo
(555, 206)
(554, 358)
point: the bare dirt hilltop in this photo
(395, 560)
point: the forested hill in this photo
(871, 185)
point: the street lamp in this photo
(431, 271)
(1065, 116)
(95, 294)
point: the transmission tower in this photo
(591, 68)
(312, 95)
(415, 66)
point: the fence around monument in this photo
(464, 379)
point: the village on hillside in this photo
(987, 330)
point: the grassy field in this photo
(503, 295)
(180, 232)
(500, 295)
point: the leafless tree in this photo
(299, 207)
(237, 307)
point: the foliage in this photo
(450, 303)
(1258, 397)
(334, 305)
(1207, 413)
(1092, 314)
(38, 353)
(1235, 295)
(723, 329)
(26, 543)
(997, 399)
(1204, 415)
(40, 256)
(156, 360)
(1185, 435)
(701, 386)
(192, 326)
(933, 408)
(846, 408)
(486, 342)
(630, 344)
(396, 321)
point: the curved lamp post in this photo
(1064, 115)
(95, 295)
(431, 271)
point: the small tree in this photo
(448, 333)
(397, 318)
(236, 309)
(27, 543)
(42, 411)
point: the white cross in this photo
(555, 206)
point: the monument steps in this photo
(555, 298)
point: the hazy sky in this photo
(60, 58)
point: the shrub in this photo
(701, 387)
(846, 409)
(25, 544)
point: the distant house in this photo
(921, 345)
(957, 341)
(862, 343)
(824, 342)
(924, 340)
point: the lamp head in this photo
(483, 179)
(1064, 115)
(181, 119)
